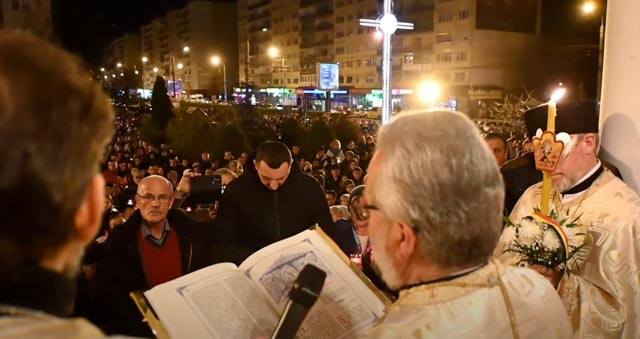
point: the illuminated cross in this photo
(388, 24)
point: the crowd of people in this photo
(417, 205)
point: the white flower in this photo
(528, 231)
(550, 241)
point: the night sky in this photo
(86, 26)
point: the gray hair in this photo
(451, 192)
(225, 171)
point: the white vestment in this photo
(601, 289)
(494, 301)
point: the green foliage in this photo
(191, 133)
(232, 138)
(346, 130)
(291, 132)
(255, 126)
(320, 134)
(150, 131)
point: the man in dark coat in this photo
(157, 244)
(272, 203)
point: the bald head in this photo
(156, 181)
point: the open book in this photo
(225, 301)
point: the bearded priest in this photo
(433, 225)
(599, 285)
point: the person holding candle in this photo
(599, 289)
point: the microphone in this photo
(303, 295)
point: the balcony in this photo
(258, 4)
(260, 15)
(325, 26)
(307, 3)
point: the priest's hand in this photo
(552, 274)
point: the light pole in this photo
(274, 53)
(185, 50)
(588, 8)
(144, 65)
(216, 61)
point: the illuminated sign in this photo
(328, 76)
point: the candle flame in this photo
(558, 94)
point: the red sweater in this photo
(161, 263)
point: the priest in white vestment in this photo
(600, 289)
(434, 201)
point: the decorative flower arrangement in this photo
(547, 241)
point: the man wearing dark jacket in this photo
(156, 245)
(278, 201)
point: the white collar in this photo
(570, 197)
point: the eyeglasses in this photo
(362, 211)
(163, 199)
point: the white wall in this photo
(620, 110)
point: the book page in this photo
(219, 301)
(346, 306)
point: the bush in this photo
(191, 133)
(320, 134)
(291, 132)
(346, 130)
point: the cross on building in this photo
(388, 24)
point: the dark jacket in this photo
(255, 216)
(120, 269)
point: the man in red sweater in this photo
(156, 245)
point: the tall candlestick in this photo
(546, 176)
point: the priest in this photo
(599, 286)
(433, 225)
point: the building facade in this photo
(463, 45)
(179, 46)
(30, 15)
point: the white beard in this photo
(563, 184)
(383, 264)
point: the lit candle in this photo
(551, 127)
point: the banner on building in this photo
(328, 76)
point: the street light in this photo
(185, 50)
(429, 92)
(102, 69)
(216, 61)
(274, 53)
(588, 8)
(119, 65)
(155, 70)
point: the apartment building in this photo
(181, 44)
(29, 15)
(123, 53)
(461, 44)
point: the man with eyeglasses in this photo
(433, 225)
(157, 244)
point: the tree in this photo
(161, 111)
(346, 130)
